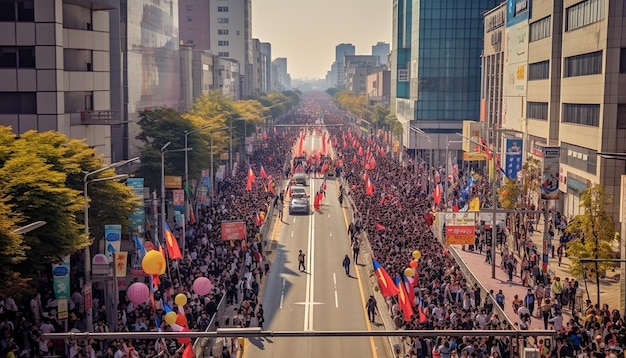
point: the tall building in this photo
(266, 66)
(356, 70)
(381, 49)
(230, 23)
(256, 62)
(341, 51)
(145, 66)
(436, 57)
(55, 68)
(280, 77)
(193, 17)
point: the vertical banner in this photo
(138, 216)
(178, 199)
(121, 259)
(550, 173)
(112, 239)
(61, 279)
(513, 157)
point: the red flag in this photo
(485, 148)
(249, 185)
(369, 188)
(385, 283)
(372, 163)
(403, 301)
(324, 184)
(360, 152)
(325, 168)
(409, 283)
(379, 227)
(251, 177)
(422, 318)
(172, 245)
(354, 159)
(437, 194)
(188, 352)
(265, 135)
(263, 173)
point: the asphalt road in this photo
(321, 298)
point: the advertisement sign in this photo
(233, 230)
(173, 182)
(550, 173)
(62, 309)
(87, 294)
(61, 279)
(138, 216)
(460, 228)
(112, 238)
(460, 219)
(512, 157)
(517, 11)
(471, 130)
(121, 259)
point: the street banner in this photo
(121, 260)
(173, 182)
(62, 309)
(233, 230)
(460, 228)
(112, 238)
(512, 157)
(88, 296)
(550, 173)
(178, 199)
(138, 216)
(61, 278)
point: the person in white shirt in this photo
(557, 321)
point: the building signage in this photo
(517, 11)
(173, 182)
(513, 157)
(138, 215)
(403, 75)
(460, 228)
(550, 173)
(112, 238)
(61, 279)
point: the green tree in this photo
(594, 231)
(509, 194)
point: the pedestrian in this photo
(356, 247)
(301, 265)
(371, 308)
(280, 210)
(500, 299)
(346, 265)
(260, 315)
(529, 300)
(546, 307)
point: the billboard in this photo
(233, 230)
(138, 216)
(517, 11)
(173, 182)
(112, 238)
(460, 228)
(512, 157)
(550, 173)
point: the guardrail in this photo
(201, 343)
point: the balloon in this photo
(138, 293)
(409, 272)
(170, 317)
(181, 319)
(446, 251)
(417, 254)
(153, 263)
(202, 286)
(180, 299)
(413, 264)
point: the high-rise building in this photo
(256, 62)
(439, 59)
(55, 69)
(341, 51)
(356, 70)
(381, 49)
(193, 18)
(266, 66)
(145, 66)
(281, 80)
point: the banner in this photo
(112, 239)
(138, 216)
(121, 260)
(61, 279)
(460, 228)
(173, 182)
(178, 199)
(512, 157)
(233, 230)
(550, 173)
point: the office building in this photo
(193, 17)
(266, 66)
(54, 72)
(356, 70)
(281, 80)
(335, 77)
(381, 49)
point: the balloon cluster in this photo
(410, 271)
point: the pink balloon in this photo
(202, 286)
(138, 293)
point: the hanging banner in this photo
(460, 228)
(138, 216)
(233, 230)
(550, 173)
(61, 279)
(121, 260)
(512, 157)
(178, 199)
(112, 238)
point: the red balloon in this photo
(413, 264)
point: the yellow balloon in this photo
(409, 272)
(153, 263)
(180, 299)
(170, 317)
(417, 254)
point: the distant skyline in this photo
(306, 32)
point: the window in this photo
(18, 103)
(222, 31)
(579, 157)
(540, 29)
(621, 116)
(622, 59)
(583, 65)
(223, 54)
(585, 114)
(222, 43)
(583, 14)
(89, 102)
(537, 110)
(17, 10)
(222, 20)
(539, 70)
(189, 19)
(189, 7)
(222, 9)
(17, 57)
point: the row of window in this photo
(222, 20)
(577, 16)
(222, 9)
(17, 10)
(223, 54)
(222, 31)
(539, 70)
(222, 43)
(579, 65)
(26, 102)
(539, 29)
(537, 110)
(579, 157)
(17, 57)
(585, 114)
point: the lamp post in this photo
(211, 159)
(87, 251)
(230, 152)
(30, 227)
(163, 207)
(187, 133)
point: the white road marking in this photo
(291, 233)
(336, 296)
(330, 234)
(310, 282)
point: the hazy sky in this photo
(307, 31)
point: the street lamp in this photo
(230, 151)
(87, 252)
(211, 151)
(30, 227)
(187, 133)
(163, 207)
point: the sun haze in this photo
(307, 31)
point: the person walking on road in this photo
(346, 265)
(260, 315)
(529, 301)
(356, 247)
(371, 308)
(301, 257)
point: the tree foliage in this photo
(41, 179)
(594, 231)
